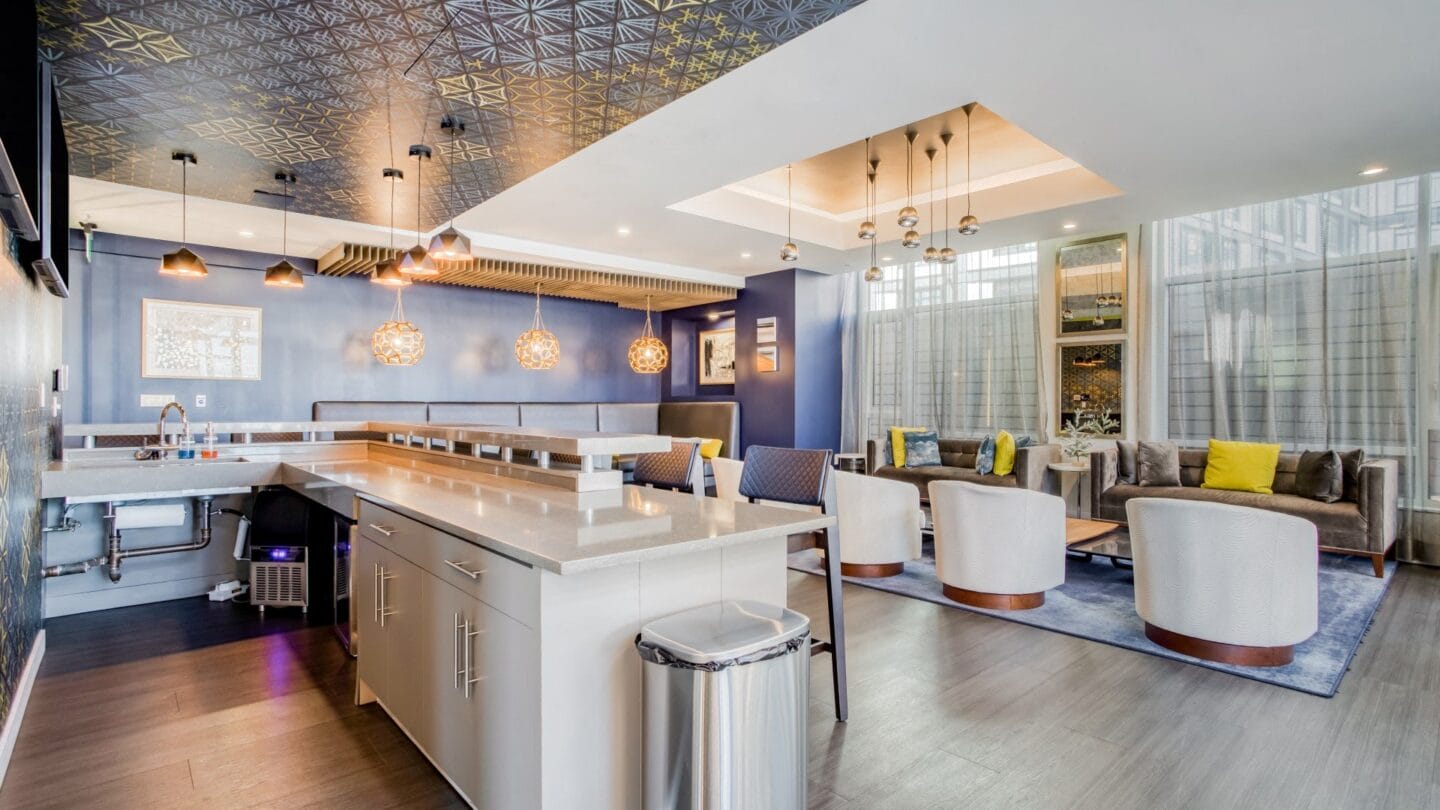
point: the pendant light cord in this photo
(947, 187)
(967, 165)
(285, 224)
(931, 156)
(789, 201)
(539, 321)
(184, 201)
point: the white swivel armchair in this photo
(997, 547)
(727, 478)
(880, 522)
(1222, 582)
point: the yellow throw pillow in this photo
(897, 444)
(1241, 466)
(1004, 454)
(710, 448)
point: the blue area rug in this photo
(1097, 602)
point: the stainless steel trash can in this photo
(726, 686)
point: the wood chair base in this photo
(994, 601)
(1237, 654)
(871, 570)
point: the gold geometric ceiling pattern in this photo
(316, 86)
(627, 291)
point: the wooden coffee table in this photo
(1087, 539)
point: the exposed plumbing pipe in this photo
(114, 553)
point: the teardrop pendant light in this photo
(537, 348)
(183, 262)
(788, 251)
(283, 273)
(873, 273)
(931, 254)
(416, 261)
(398, 342)
(450, 243)
(867, 228)
(387, 271)
(969, 224)
(909, 217)
(648, 354)
(947, 253)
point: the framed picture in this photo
(717, 356)
(767, 359)
(765, 330)
(1092, 386)
(1090, 285)
(180, 340)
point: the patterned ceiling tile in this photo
(335, 90)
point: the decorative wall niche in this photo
(1092, 379)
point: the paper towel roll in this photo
(149, 516)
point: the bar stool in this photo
(802, 477)
(676, 469)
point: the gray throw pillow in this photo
(985, 456)
(1157, 464)
(1023, 441)
(1125, 462)
(922, 449)
(1319, 476)
(1350, 462)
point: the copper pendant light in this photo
(648, 354)
(788, 251)
(969, 224)
(909, 217)
(183, 262)
(451, 243)
(283, 273)
(931, 254)
(398, 342)
(947, 253)
(537, 348)
(387, 271)
(416, 261)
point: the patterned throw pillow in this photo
(922, 449)
(985, 456)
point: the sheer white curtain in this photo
(950, 347)
(1306, 322)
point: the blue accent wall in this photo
(316, 340)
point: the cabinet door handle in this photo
(455, 637)
(385, 530)
(460, 566)
(375, 581)
(385, 576)
(470, 680)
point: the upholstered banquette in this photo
(957, 463)
(1363, 522)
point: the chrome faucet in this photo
(161, 447)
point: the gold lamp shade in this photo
(184, 263)
(648, 354)
(388, 273)
(284, 274)
(537, 348)
(417, 262)
(398, 342)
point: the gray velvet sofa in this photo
(1361, 523)
(957, 463)
(707, 420)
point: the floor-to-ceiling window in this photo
(952, 347)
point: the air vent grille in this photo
(280, 584)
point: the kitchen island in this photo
(496, 612)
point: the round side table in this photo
(1074, 481)
(850, 462)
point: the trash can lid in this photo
(724, 631)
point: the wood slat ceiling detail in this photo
(350, 259)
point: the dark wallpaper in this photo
(29, 348)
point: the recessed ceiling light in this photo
(1370, 171)
(623, 230)
(887, 258)
(1069, 226)
(745, 255)
(247, 234)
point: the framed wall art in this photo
(181, 340)
(717, 356)
(1090, 285)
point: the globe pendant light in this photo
(387, 271)
(947, 253)
(398, 342)
(931, 254)
(969, 224)
(416, 261)
(867, 228)
(537, 348)
(183, 262)
(873, 273)
(648, 354)
(788, 251)
(909, 217)
(283, 273)
(450, 243)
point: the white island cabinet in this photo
(519, 679)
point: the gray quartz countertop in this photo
(552, 529)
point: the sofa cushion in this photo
(1350, 463)
(1319, 476)
(560, 415)
(505, 414)
(1004, 453)
(922, 449)
(959, 452)
(630, 417)
(1125, 462)
(897, 443)
(1157, 464)
(985, 457)
(1241, 466)
(1340, 524)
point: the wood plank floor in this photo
(193, 704)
